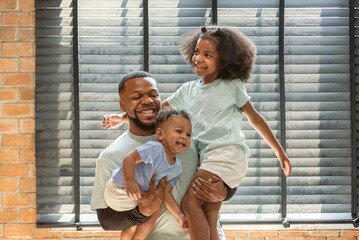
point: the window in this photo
(303, 84)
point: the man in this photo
(139, 98)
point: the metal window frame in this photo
(76, 148)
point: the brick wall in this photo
(17, 152)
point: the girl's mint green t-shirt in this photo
(215, 112)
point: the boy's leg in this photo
(145, 228)
(192, 207)
(127, 234)
(211, 210)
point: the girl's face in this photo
(206, 60)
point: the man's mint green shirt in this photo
(215, 112)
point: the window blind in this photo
(317, 84)
(54, 111)
(313, 66)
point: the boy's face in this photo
(175, 134)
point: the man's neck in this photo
(141, 132)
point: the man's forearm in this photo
(114, 220)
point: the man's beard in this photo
(140, 124)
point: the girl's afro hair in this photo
(237, 53)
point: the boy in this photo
(173, 133)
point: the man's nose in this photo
(147, 100)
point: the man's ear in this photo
(159, 134)
(122, 106)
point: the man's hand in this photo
(151, 201)
(212, 190)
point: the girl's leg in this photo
(211, 210)
(128, 233)
(192, 207)
(145, 228)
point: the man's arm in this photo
(213, 190)
(149, 203)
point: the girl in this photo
(223, 59)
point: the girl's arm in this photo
(128, 168)
(260, 125)
(111, 121)
(172, 206)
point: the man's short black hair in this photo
(132, 75)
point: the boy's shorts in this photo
(117, 199)
(228, 162)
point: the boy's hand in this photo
(133, 190)
(183, 221)
(111, 121)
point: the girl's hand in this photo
(183, 221)
(286, 166)
(132, 189)
(111, 121)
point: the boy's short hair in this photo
(164, 114)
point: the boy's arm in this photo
(128, 168)
(172, 206)
(260, 125)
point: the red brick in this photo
(263, 233)
(27, 185)
(8, 94)
(18, 140)
(14, 170)
(7, 33)
(18, 110)
(295, 233)
(27, 125)
(8, 125)
(9, 215)
(27, 5)
(27, 155)
(9, 155)
(19, 230)
(27, 94)
(8, 185)
(42, 233)
(28, 215)
(17, 49)
(19, 79)
(27, 64)
(26, 34)
(16, 200)
(16, 19)
(8, 64)
(8, 5)
(349, 233)
(341, 238)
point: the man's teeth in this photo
(147, 111)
